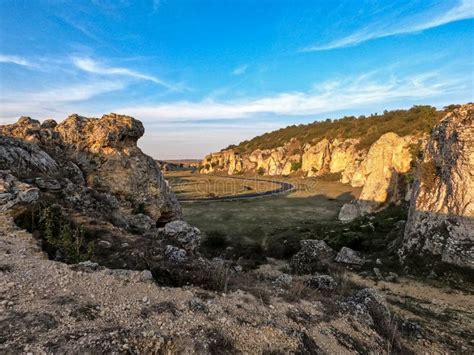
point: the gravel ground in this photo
(46, 306)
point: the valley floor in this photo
(313, 201)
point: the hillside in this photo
(418, 119)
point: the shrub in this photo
(60, 237)
(295, 166)
(215, 240)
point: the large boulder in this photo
(348, 256)
(314, 255)
(182, 234)
(369, 306)
(441, 217)
(101, 154)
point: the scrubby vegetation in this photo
(418, 119)
(61, 239)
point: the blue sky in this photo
(204, 74)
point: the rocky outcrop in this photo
(279, 161)
(387, 158)
(14, 194)
(89, 153)
(316, 158)
(441, 216)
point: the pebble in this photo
(145, 299)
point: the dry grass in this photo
(187, 184)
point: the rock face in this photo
(316, 158)
(89, 153)
(441, 216)
(387, 158)
(314, 255)
(278, 161)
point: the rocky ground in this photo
(85, 191)
(50, 306)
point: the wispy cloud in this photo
(13, 59)
(241, 69)
(336, 95)
(91, 66)
(53, 100)
(462, 11)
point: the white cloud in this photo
(52, 101)
(240, 70)
(14, 60)
(359, 92)
(463, 10)
(91, 66)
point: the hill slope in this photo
(418, 119)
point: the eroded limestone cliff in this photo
(441, 216)
(83, 155)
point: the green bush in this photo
(60, 236)
(215, 240)
(295, 166)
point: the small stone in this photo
(349, 256)
(145, 299)
(392, 277)
(378, 273)
(105, 244)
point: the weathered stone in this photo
(14, 194)
(284, 280)
(388, 157)
(141, 223)
(368, 306)
(99, 153)
(349, 211)
(316, 158)
(322, 282)
(314, 255)
(441, 217)
(175, 255)
(349, 256)
(182, 234)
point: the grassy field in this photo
(262, 221)
(187, 184)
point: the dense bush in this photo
(295, 166)
(418, 119)
(61, 239)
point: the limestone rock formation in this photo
(387, 158)
(14, 194)
(441, 216)
(101, 154)
(316, 158)
(278, 161)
